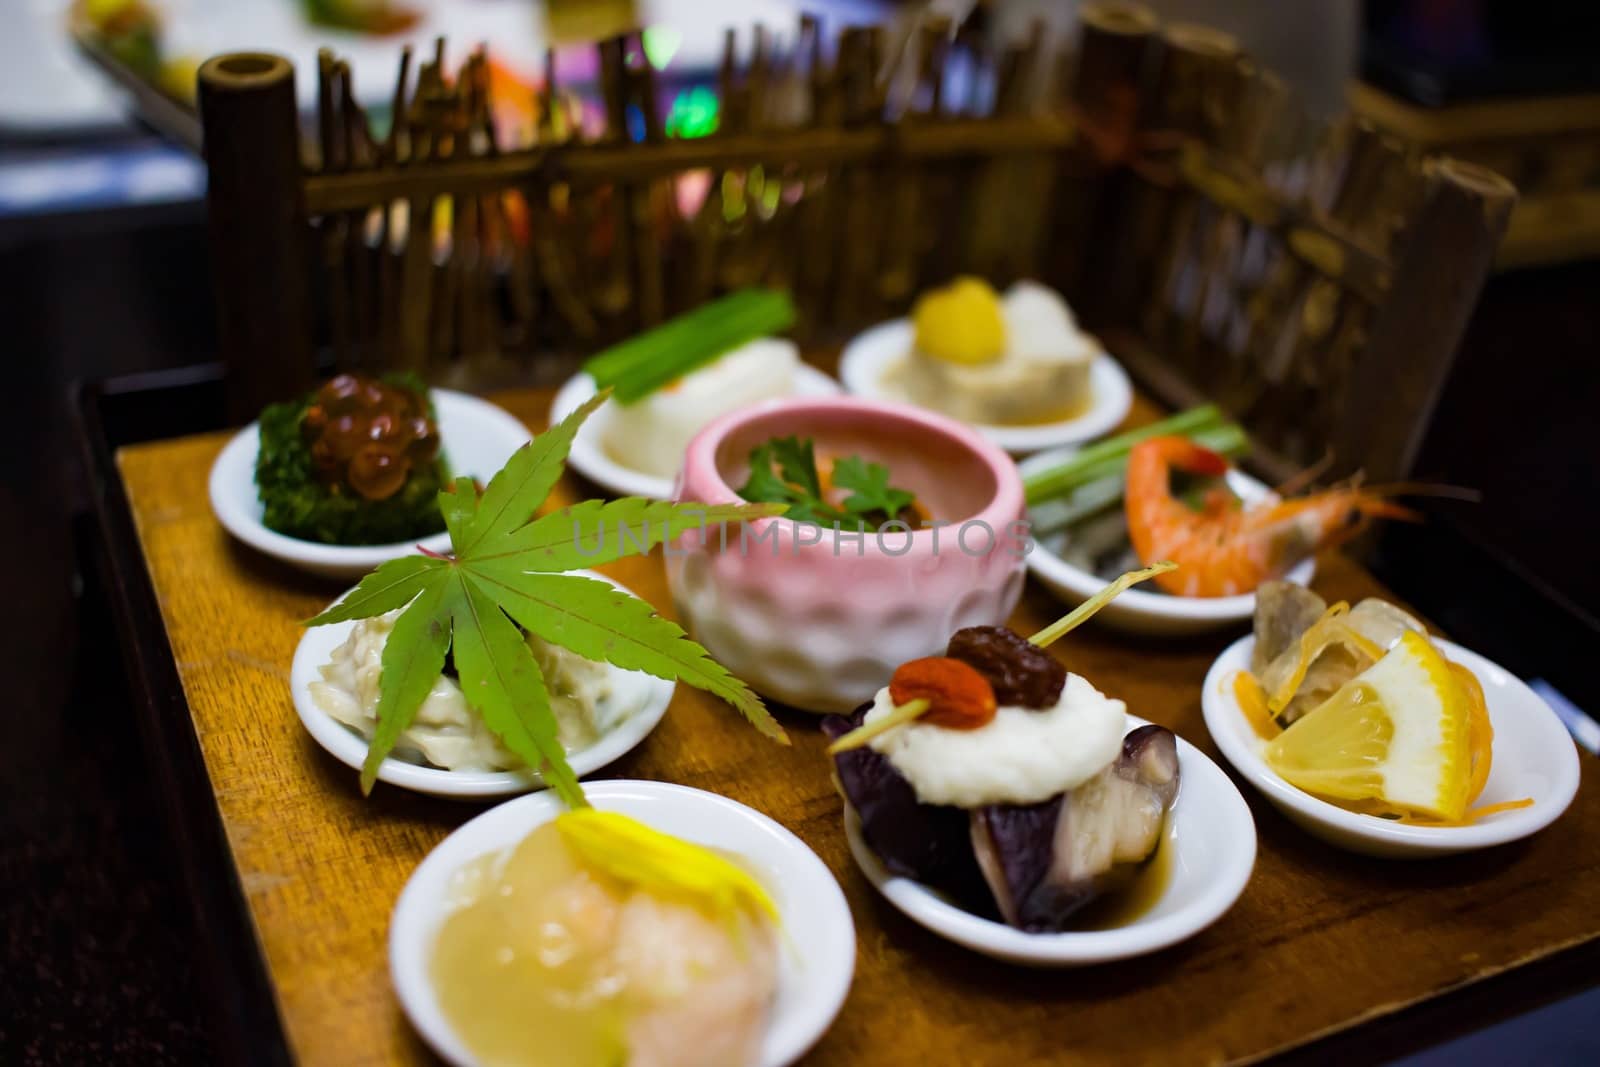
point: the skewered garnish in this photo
(1018, 670)
(1397, 733)
(645, 362)
(960, 323)
(1028, 811)
(940, 690)
(784, 471)
(1085, 611)
(949, 692)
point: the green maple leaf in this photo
(505, 572)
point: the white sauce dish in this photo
(1534, 757)
(815, 965)
(872, 359)
(1212, 839)
(647, 697)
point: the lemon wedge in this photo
(960, 323)
(1398, 733)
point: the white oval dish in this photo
(350, 748)
(1534, 756)
(477, 439)
(1141, 611)
(1209, 825)
(871, 354)
(818, 956)
(589, 457)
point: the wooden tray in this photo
(294, 874)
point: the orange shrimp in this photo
(1223, 551)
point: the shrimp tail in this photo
(1185, 455)
(1387, 509)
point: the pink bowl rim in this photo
(1006, 506)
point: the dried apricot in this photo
(958, 696)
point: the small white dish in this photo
(873, 353)
(350, 748)
(817, 959)
(1534, 756)
(590, 458)
(476, 436)
(1215, 840)
(1139, 610)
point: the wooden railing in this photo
(1315, 280)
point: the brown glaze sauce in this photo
(1129, 903)
(367, 435)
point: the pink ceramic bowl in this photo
(820, 622)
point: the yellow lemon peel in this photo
(1398, 733)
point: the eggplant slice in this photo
(1034, 865)
(925, 842)
(1045, 861)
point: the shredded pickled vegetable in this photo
(1329, 630)
(632, 852)
(1261, 712)
(1406, 818)
(1253, 702)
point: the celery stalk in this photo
(1045, 484)
(1098, 486)
(642, 364)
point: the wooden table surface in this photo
(1321, 940)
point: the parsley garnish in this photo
(784, 471)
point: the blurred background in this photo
(104, 265)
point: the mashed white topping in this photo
(589, 699)
(652, 435)
(1023, 756)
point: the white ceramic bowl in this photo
(589, 456)
(1209, 826)
(819, 942)
(1139, 610)
(350, 748)
(872, 354)
(477, 439)
(1534, 756)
